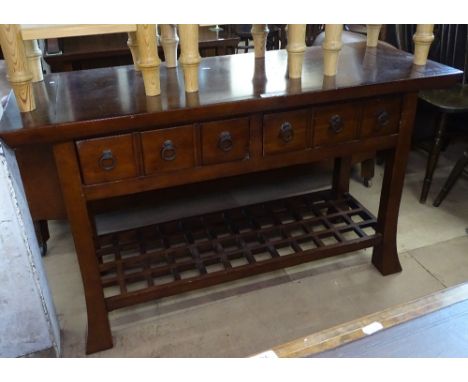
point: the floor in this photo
(244, 317)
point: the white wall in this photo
(28, 322)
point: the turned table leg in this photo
(34, 54)
(149, 61)
(189, 55)
(296, 48)
(373, 32)
(422, 42)
(331, 48)
(18, 72)
(169, 42)
(99, 335)
(133, 46)
(259, 34)
(385, 255)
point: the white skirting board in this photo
(28, 322)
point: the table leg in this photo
(169, 42)
(373, 32)
(99, 335)
(422, 43)
(133, 46)
(385, 255)
(259, 35)
(16, 61)
(149, 61)
(341, 175)
(296, 48)
(331, 48)
(189, 55)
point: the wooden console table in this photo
(110, 140)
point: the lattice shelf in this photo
(168, 258)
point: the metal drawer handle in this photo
(168, 151)
(107, 160)
(286, 132)
(383, 119)
(225, 142)
(336, 124)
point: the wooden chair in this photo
(450, 48)
(452, 179)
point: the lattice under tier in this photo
(168, 258)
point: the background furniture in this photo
(88, 52)
(452, 179)
(453, 46)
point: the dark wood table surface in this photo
(68, 102)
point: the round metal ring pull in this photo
(383, 119)
(286, 132)
(168, 151)
(225, 142)
(107, 160)
(336, 124)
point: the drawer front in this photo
(335, 124)
(381, 117)
(107, 159)
(283, 132)
(168, 149)
(225, 141)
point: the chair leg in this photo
(452, 179)
(368, 171)
(42, 232)
(433, 157)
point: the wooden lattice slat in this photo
(168, 258)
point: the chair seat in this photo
(452, 100)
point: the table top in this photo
(72, 105)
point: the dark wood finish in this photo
(381, 117)
(86, 115)
(385, 255)
(337, 123)
(165, 259)
(41, 182)
(341, 175)
(113, 99)
(168, 149)
(368, 170)
(288, 131)
(99, 334)
(107, 159)
(225, 141)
